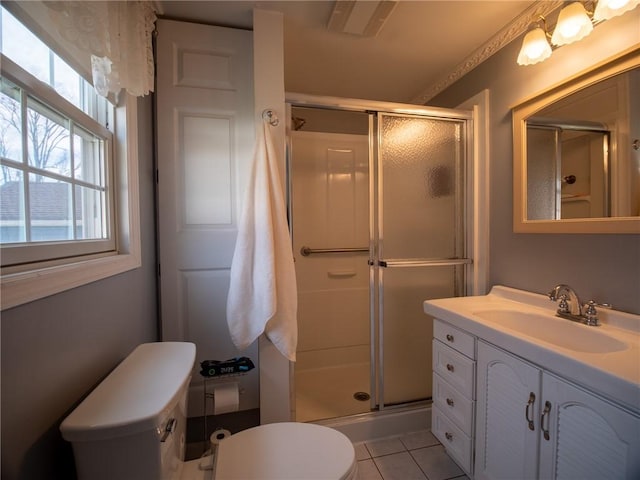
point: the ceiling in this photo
(422, 46)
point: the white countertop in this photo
(614, 375)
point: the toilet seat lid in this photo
(286, 450)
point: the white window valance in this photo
(118, 35)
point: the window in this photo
(55, 184)
(61, 145)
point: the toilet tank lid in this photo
(132, 398)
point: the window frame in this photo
(48, 278)
(23, 255)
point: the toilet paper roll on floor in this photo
(226, 398)
(219, 435)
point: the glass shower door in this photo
(420, 228)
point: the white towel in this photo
(262, 291)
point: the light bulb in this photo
(573, 24)
(607, 9)
(535, 47)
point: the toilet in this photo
(132, 426)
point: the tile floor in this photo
(413, 456)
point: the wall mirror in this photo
(577, 153)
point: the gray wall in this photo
(605, 268)
(55, 350)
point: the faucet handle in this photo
(591, 313)
(563, 305)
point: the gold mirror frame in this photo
(527, 108)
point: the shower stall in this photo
(378, 205)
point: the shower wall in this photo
(330, 210)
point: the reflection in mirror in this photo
(569, 159)
(567, 170)
(576, 154)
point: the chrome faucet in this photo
(570, 307)
(569, 301)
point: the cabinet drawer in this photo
(453, 404)
(457, 444)
(455, 338)
(455, 368)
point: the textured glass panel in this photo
(12, 227)
(542, 174)
(51, 217)
(422, 196)
(407, 332)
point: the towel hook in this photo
(270, 116)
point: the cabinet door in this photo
(508, 394)
(589, 438)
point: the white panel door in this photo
(205, 130)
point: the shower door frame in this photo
(471, 227)
(380, 262)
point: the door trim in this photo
(479, 213)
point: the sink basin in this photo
(557, 331)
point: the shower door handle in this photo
(306, 251)
(424, 263)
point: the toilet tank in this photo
(120, 430)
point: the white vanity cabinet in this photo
(454, 369)
(532, 424)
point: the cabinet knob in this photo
(450, 367)
(449, 337)
(448, 435)
(450, 402)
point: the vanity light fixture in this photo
(535, 47)
(607, 9)
(574, 23)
